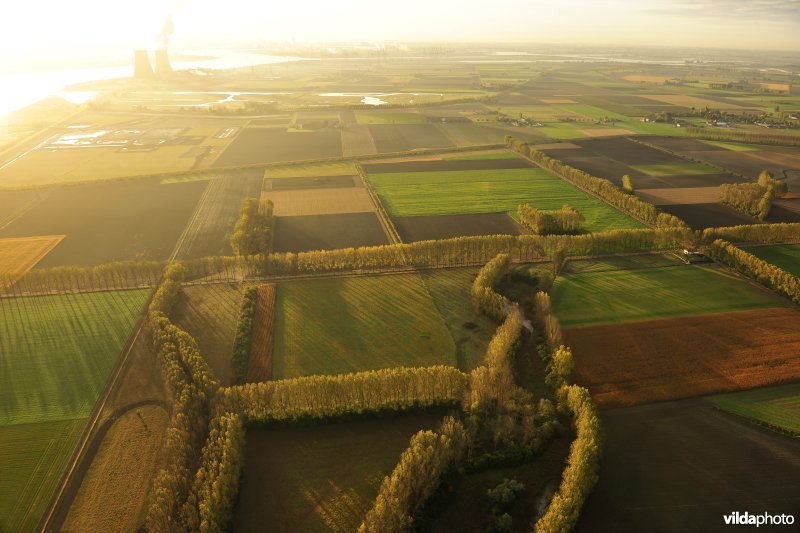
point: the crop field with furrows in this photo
(58, 354)
(19, 255)
(211, 225)
(346, 325)
(263, 336)
(320, 201)
(656, 360)
(785, 256)
(255, 146)
(32, 457)
(680, 195)
(776, 407)
(450, 193)
(320, 478)
(631, 295)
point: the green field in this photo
(334, 326)
(450, 290)
(32, 457)
(777, 407)
(785, 256)
(631, 295)
(489, 191)
(61, 350)
(677, 169)
(734, 147)
(57, 354)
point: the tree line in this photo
(416, 477)
(460, 251)
(252, 233)
(108, 276)
(484, 298)
(604, 189)
(343, 395)
(755, 198)
(755, 137)
(244, 335)
(566, 220)
(755, 233)
(751, 266)
(191, 387)
(583, 463)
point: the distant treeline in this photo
(627, 203)
(755, 137)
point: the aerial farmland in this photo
(415, 288)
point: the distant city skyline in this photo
(41, 30)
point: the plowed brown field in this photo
(263, 338)
(657, 360)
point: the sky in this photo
(32, 31)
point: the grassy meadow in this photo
(57, 354)
(777, 407)
(334, 326)
(490, 191)
(785, 256)
(617, 296)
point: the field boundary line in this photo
(54, 507)
(383, 216)
(198, 208)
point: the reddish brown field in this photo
(658, 360)
(263, 339)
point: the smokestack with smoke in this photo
(163, 66)
(141, 66)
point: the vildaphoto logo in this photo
(764, 519)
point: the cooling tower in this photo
(163, 68)
(141, 65)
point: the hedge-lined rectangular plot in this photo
(490, 191)
(320, 201)
(632, 295)
(335, 326)
(327, 232)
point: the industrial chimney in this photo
(163, 68)
(141, 66)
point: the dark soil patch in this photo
(682, 466)
(786, 210)
(701, 216)
(269, 145)
(314, 182)
(426, 228)
(404, 137)
(327, 232)
(320, 478)
(445, 166)
(684, 181)
(736, 162)
(597, 165)
(683, 144)
(115, 221)
(628, 152)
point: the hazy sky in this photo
(30, 28)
